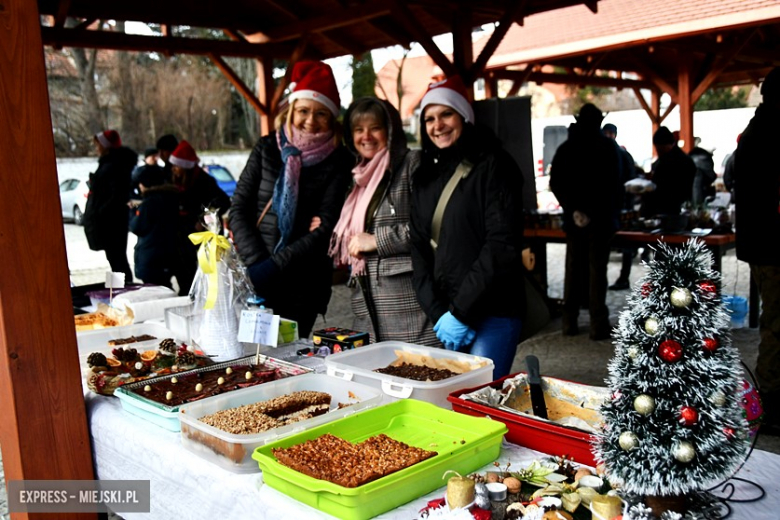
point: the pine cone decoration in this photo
(96, 359)
(185, 358)
(168, 345)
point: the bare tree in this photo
(85, 62)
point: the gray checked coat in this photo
(387, 286)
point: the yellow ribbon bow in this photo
(209, 253)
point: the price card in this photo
(258, 327)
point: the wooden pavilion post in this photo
(265, 91)
(684, 89)
(43, 424)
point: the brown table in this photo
(718, 244)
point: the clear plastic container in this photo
(358, 365)
(90, 341)
(234, 452)
(179, 320)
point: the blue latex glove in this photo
(264, 275)
(452, 332)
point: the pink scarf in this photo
(367, 177)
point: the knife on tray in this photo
(535, 386)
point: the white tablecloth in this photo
(184, 486)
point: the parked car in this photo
(73, 199)
(224, 178)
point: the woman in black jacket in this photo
(469, 278)
(289, 197)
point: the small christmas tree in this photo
(674, 425)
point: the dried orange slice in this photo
(149, 355)
(113, 362)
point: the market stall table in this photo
(186, 486)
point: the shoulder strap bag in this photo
(265, 210)
(461, 172)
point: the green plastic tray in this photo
(463, 443)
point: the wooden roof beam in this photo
(238, 83)
(643, 102)
(170, 44)
(493, 42)
(406, 18)
(327, 22)
(569, 79)
(62, 13)
(716, 70)
(295, 56)
(647, 72)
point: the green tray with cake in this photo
(158, 399)
(459, 443)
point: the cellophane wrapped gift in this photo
(219, 289)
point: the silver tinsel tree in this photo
(674, 425)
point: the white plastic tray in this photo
(358, 365)
(90, 341)
(234, 452)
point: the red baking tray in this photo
(537, 434)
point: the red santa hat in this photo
(452, 93)
(184, 156)
(109, 139)
(314, 80)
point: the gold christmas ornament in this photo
(684, 451)
(718, 398)
(628, 441)
(652, 325)
(644, 404)
(681, 297)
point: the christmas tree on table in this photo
(674, 425)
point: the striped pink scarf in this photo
(367, 177)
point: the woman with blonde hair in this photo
(289, 197)
(372, 234)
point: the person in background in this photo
(165, 147)
(757, 185)
(372, 234)
(467, 264)
(197, 191)
(586, 177)
(106, 216)
(628, 172)
(150, 165)
(155, 224)
(673, 173)
(289, 196)
(705, 173)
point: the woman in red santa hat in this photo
(467, 230)
(289, 197)
(197, 191)
(106, 217)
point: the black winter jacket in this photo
(201, 191)
(304, 262)
(106, 214)
(476, 271)
(586, 175)
(673, 175)
(156, 227)
(757, 187)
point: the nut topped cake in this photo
(350, 465)
(416, 372)
(266, 415)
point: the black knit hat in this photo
(168, 142)
(150, 177)
(149, 152)
(663, 136)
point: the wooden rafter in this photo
(495, 39)
(294, 58)
(570, 79)
(462, 46)
(178, 45)
(667, 111)
(84, 24)
(716, 70)
(62, 13)
(406, 18)
(238, 83)
(327, 22)
(647, 72)
(643, 102)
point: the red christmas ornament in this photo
(688, 416)
(670, 351)
(708, 289)
(729, 432)
(645, 290)
(710, 344)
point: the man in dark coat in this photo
(757, 177)
(673, 175)
(705, 173)
(585, 177)
(150, 165)
(197, 191)
(165, 147)
(155, 223)
(106, 215)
